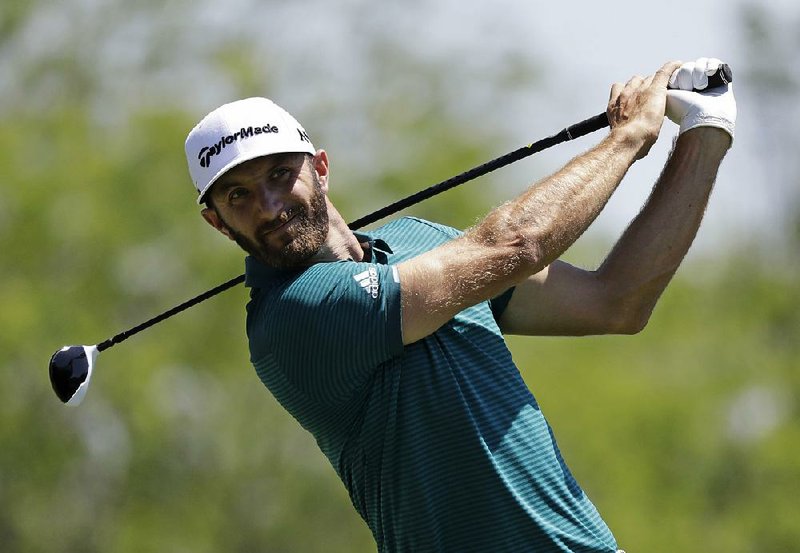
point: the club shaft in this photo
(122, 336)
(575, 131)
(572, 132)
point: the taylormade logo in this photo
(208, 152)
(368, 280)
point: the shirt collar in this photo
(258, 275)
(379, 250)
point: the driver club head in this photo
(70, 371)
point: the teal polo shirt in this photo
(440, 444)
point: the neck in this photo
(341, 243)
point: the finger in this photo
(673, 79)
(616, 88)
(634, 82)
(713, 66)
(684, 80)
(648, 81)
(665, 75)
(699, 77)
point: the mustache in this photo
(279, 221)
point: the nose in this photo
(269, 202)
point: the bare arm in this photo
(525, 235)
(620, 296)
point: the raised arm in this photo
(620, 296)
(525, 235)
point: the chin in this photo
(293, 256)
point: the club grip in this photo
(723, 76)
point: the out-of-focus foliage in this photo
(686, 436)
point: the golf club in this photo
(71, 367)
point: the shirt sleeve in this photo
(330, 327)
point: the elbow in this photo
(633, 326)
(519, 251)
(630, 321)
(530, 250)
(628, 308)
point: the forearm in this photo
(515, 241)
(523, 236)
(647, 255)
(551, 215)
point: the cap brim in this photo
(236, 162)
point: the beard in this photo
(310, 230)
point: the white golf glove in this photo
(715, 107)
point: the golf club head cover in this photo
(692, 103)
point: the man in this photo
(387, 346)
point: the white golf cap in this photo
(238, 132)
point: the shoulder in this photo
(415, 229)
(312, 285)
(339, 292)
(341, 314)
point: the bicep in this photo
(440, 283)
(561, 300)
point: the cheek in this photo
(237, 221)
(247, 212)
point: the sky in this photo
(586, 46)
(741, 204)
(313, 50)
(581, 49)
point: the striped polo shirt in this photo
(440, 444)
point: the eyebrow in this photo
(222, 186)
(226, 182)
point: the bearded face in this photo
(294, 236)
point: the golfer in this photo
(388, 346)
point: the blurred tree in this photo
(179, 447)
(687, 433)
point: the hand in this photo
(636, 109)
(715, 107)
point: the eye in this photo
(237, 193)
(279, 172)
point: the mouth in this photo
(286, 218)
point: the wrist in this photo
(711, 140)
(624, 140)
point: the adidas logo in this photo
(368, 280)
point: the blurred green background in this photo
(686, 436)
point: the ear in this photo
(320, 164)
(212, 218)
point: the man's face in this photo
(274, 207)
